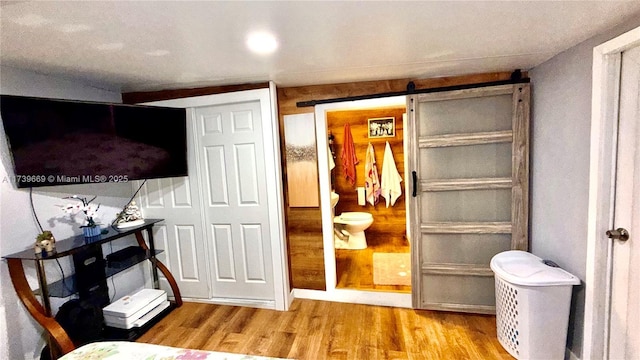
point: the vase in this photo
(91, 232)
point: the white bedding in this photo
(123, 350)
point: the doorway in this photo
(385, 263)
(333, 292)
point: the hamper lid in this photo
(523, 268)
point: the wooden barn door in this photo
(469, 152)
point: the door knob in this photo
(619, 234)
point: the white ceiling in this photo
(152, 45)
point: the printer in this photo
(136, 309)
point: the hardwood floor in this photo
(326, 330)
(354, 268)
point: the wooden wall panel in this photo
(388, 222)
(148, 96)
(306, 250)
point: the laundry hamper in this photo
(533, 298)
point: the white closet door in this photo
(181, 235)
(469, 157)
(233, 182)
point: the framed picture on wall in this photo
(382, 127)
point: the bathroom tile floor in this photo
(354, 268)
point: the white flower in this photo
(84, 206)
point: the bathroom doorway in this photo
(380, 273)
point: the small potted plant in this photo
(45, 242)
(90, 228)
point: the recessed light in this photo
(262, 42)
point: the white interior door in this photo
(181, 236)
(235, 170)
(233, 182)
(624, 325)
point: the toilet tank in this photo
(355, 216)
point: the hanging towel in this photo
(332, 164)
(348, 156)
(390, 183)
(371, 178)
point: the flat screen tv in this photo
(58, 142)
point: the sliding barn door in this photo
(469, 157)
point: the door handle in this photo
(414, 176)
(618, 234)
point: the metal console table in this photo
(41, 312)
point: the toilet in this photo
(352, 225)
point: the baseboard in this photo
(568, 354)
(261, 304)
(357, 297)
(289, 299)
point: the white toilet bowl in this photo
(354, 224)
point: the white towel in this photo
(332, 163)
(390, 183)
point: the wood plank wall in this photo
(389, 223)
(304, 225)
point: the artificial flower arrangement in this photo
(90, 227)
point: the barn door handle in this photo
(414, 175)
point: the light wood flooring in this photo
(317, 330)
(354, 268)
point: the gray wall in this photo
(560, 133)
(20, 336)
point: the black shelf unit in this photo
(67, 286)
(94, 275)
(78, 243)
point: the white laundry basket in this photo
(533, 299)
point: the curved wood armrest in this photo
(23, 290)
(163, 269)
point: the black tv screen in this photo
(58, 142)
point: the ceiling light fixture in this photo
(262, 43)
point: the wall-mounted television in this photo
(58, 142)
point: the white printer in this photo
(136, 309)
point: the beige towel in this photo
(371, 179)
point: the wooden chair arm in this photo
(25, 294)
